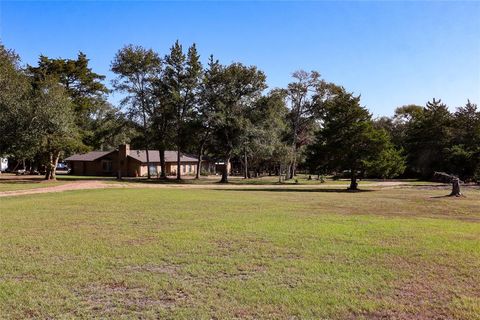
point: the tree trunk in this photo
(145, 132)
(148, 164)
(199, 164)
(456, 188)
(293, 168)
(16, 166)
(245, 174)
(53, 172)
(353, 182)
(48, 166)
(179, 175)
(225, 171)
(51, 166)
(287, 172)
(203, 142)
(163, 172)
(146, 142)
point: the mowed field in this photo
(246, 253)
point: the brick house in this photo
(128, 163)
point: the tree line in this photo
(224, 112)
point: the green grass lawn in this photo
(216, 254)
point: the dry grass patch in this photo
(119, 298)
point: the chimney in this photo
(124, 151)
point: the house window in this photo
(153, 170)
(107, 165)
(184, 168)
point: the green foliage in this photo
(15, 107)
(262, 141)
(38, 120)
(222, 112)
(136, 69)
(305, 94)
(84, 87)
(233, 92)
(434, 139)
(428, 135)
(181, 85)
(109, 127)
(348, 140)
(390, 163)
(54, 123)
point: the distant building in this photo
(128, 163)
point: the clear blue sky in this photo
(392, 53)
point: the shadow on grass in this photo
(449, 196)
(320, 190)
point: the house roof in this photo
(139, 155)
(89, 156)
(154, 156)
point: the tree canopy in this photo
(224, 112)
(348, 141)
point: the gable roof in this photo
(154, 156)
(139, 155)
(89, 156)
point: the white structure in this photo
(3, 164)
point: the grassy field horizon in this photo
(211, 253)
